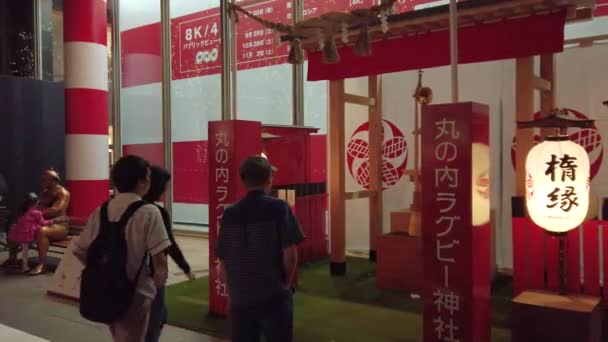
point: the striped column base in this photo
(87, 195)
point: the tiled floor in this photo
(25, 306)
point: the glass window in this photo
(141, 76)
(51, 39)
(195, 100)
(17, 46)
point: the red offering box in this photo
(399, 263)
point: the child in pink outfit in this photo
(27, 226)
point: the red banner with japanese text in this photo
(196, 44)
(455, 217)
(230, 143)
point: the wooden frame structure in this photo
(333, 30)
(471, 12)
(337, 156)
(338, 195)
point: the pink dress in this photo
(24, 231)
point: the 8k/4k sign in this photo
(196, 44)
(455, 252)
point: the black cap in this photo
(256, 170)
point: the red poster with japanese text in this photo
(455, 221)
(601, 8)
(196, 44)
(230, 143)
(256, 44)
(314, 8)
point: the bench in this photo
(75, 228)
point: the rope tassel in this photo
(296, 52)
(330, 51)
(362, 46)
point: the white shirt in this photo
(145, 231)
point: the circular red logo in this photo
(394, 155)
(589, 138)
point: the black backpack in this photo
(106, 292)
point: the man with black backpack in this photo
(120, 239)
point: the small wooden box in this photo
(400, 220)
(399, 263)
(540, 316)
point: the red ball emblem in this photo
(394, 153)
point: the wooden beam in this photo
(571, 13)
(524, 104)
(359, 100)
(542, 84)
(360, 194)
(376, 223)
(579, 9)
(337, 149)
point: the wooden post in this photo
(547, 97)
(337, 163)
(376, 226)
(524, 104)
(454, 49)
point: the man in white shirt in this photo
(145, 233)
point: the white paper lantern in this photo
(557, 184)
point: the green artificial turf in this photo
(348, 309)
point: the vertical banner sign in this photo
(66, 279)
(455, 251)
(230, 143)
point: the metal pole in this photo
(562, 264)
(37, 37)
(165, 12)
(454, 49)
(234, 66)
(298, 73)
(116, 78)
(227, 96)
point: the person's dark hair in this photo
(255, 171)
(128, 171)
(159, 178)
(30, 200)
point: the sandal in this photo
(40, 269)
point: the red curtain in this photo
(522, 37)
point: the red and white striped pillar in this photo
(86, 104)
